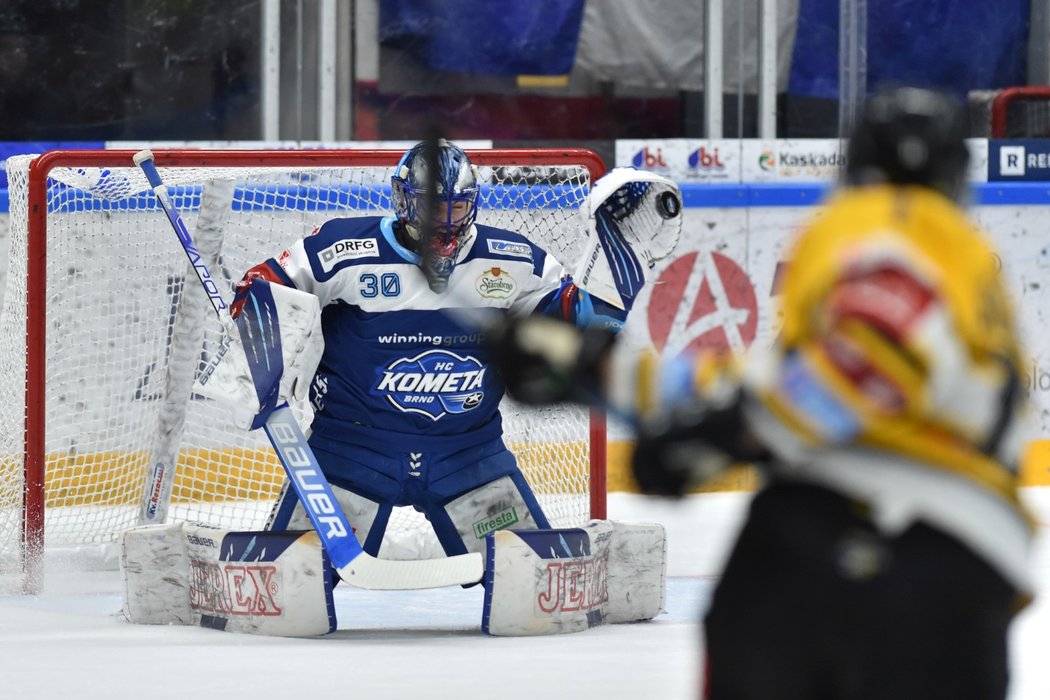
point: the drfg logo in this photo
(350, 249)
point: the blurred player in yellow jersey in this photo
(885, 554)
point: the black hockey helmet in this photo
(910, 135)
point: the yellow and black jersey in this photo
(897, 374)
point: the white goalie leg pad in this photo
(569, 580)
(637, 572)
(155, 573)
(273, 583)
(227, 378)
(640, 223)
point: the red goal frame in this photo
(1002, 100)
(36, 284)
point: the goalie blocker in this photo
(233, 380)
(279, 583)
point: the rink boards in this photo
(719, 286)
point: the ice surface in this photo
(70, 643)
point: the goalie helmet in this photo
(911, 136)
(436, 211)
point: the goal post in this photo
(102, 331)
(1016, 112)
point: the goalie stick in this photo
(354, 565)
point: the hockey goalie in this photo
(406, 413)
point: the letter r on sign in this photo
(1011, 160)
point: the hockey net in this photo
(1011, 113)
(104, 327)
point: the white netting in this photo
(1025, 113)
(126, 328)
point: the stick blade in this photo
(366, 571)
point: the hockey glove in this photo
(544, 360)
(690, 444)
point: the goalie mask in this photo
(436, 211)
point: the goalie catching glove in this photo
(634, 218)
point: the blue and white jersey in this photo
(394, 362)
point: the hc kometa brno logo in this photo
(432, 383)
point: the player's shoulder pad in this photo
(502, 244)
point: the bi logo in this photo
(649, 159)
(703, 159)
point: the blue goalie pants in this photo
(463, 493)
